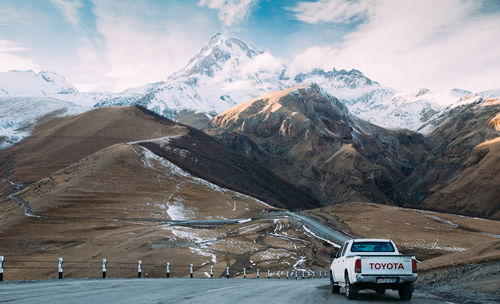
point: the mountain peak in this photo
(290, 115)
(213, 56)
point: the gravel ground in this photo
(473, 283)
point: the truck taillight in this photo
(357, 266)
(414, 266)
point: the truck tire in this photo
(380, 291)
(405, 292)
(335, 286)
(351, 290)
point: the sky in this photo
(114, 45)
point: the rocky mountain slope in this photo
(460, 173)
(309, 138)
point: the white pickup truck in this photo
(372, 264)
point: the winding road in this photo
(312, 225)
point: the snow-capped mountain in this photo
(227, 72)
(224, 73)
(29, 83)
(385, 106)
(490, 93)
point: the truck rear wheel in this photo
(405, 292)
(351, 290)
(380, 291)
(334, 285)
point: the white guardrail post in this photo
(268, 274)
(296, 274)
(244, 273)
(278, 274)
(303, 274)
(258, 273)
(212, 271)
(168, 270)
(1, 267)
(60, 268)
(227, 272)
(104, 268)
(139, 269)
(191, 271)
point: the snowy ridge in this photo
(20, 113)
(29, 83)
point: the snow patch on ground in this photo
(492, 234)
(198, 251)
(442, 220)
(272, 254)
(201, 237)
(178, 212)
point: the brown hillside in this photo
(57, 143)
(311, 140)
(460, 174)
(476, 190)
(127, 181)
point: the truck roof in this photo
(371, 240)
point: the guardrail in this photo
(188, 270)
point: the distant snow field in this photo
(18, 115)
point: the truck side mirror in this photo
(333, 255)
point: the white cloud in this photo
(408, 44)
(134, 50)
(9, 58)
(262, 63)
(230, 11)
(331, 10)
(69, 9)
(314, 57)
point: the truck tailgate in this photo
(386, 265)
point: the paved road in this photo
(188, 291)
(321, 230)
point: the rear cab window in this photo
(372, 247)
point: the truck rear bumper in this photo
(373, 279)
